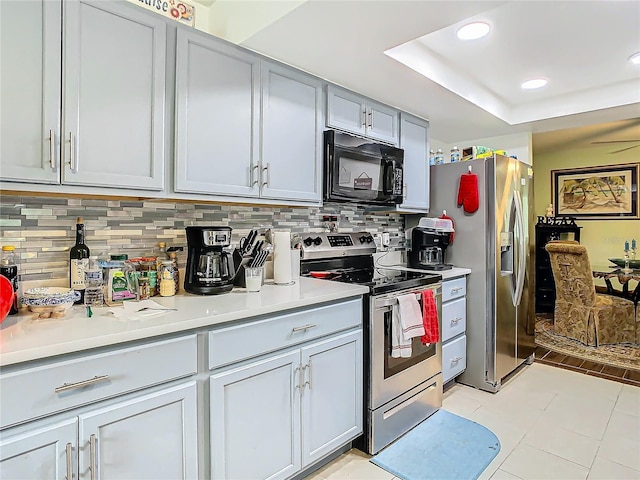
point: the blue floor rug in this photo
(444, 446)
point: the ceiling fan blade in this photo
(617, 141)
(623, 149)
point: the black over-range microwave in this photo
(361, 170)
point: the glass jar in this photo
(167, 279)
(143, 288)
(148, 269)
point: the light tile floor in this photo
(552, 424)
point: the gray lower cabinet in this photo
(356, 114)
(122, 413)
(83, 96)
(414, 140)
(277, 415)
(454, 326)
(279, 405)
(258, 122)
(149, 437)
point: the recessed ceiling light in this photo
(473, 31)
(635, 58)
(534, 83)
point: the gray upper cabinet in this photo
(30, 77)
(217, 117)
(414, 140)
(113, 96)
(102, 127)
(353, 113)
(291, 156)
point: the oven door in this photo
(364, 173)
(391, 377)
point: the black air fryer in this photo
(210, 269)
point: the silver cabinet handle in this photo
(456, 290)
(370, 115)
(83, 383)
(306, 368)
(296, 373)
(52, 150)
(454, 321)
(251, 179)
(364, 118)
(455, 360)
(304, 327)
(268, 170)
(72, 155)
(69, 463)
(92, 461)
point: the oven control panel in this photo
(331, 245)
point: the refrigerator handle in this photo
(521, 245)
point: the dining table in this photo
(624, 277)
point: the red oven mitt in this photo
(468, 195)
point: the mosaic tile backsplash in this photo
(43, 228)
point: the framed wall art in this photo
(607, 192)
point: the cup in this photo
(253, 278)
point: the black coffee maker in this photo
(210, 269)
(428, 245)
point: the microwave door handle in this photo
(387, 183)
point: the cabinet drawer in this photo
(239, 342)
(454, 318)
(454, 358)
(455, 288)
(53, 387)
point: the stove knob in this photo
(307, 241)
(369, 239)
(362, 239)
(317, 241)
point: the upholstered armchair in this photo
(581, 313)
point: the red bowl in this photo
(7, 296)
(320, 274)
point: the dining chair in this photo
(581, 313)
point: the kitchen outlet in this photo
(385, 240)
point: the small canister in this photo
(167, 279)
(148, 269)
(143, 288)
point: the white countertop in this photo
(23, 339)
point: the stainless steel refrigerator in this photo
(495, 242)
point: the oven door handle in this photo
(390, 302)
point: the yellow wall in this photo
(604, 239)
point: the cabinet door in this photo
(331, 395)
(291, 135)
(114, 93)
(217, 92)
(382, 122)
(44, 452)
(255, 419)
(150, 437)
(346, 110)
(414, 141)
(30, 59)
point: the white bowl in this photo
(49, 296)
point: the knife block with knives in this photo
(249, 254)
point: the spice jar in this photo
(148, 268)
(143, 288)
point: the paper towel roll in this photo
(282, 257)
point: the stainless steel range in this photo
(399, 392)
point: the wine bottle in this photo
(78, 261)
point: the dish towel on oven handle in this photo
(400, 346)
(429, 318)
(409, 323)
